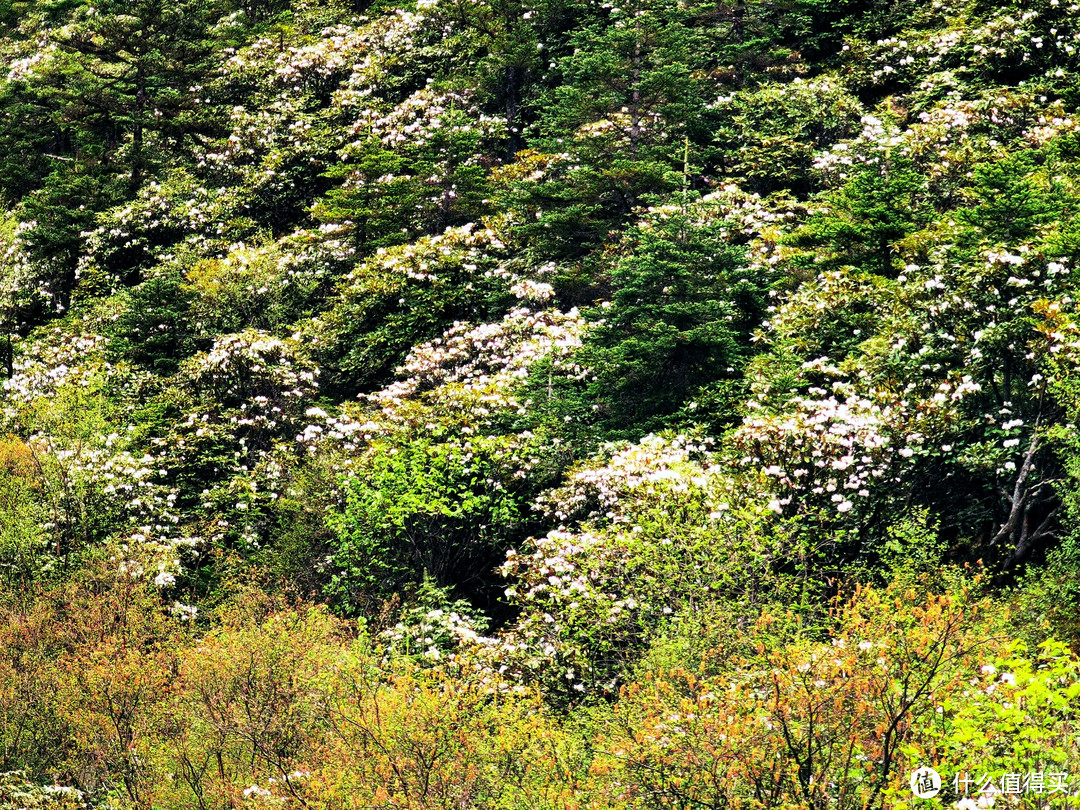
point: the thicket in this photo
(503, 404)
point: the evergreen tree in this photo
(134, 71)
(682, 308)
(865, 218)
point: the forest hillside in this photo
(539, 404)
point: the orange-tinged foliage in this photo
(17, 459)
(246, 707)
(102, 689)
(426, 740)
(813, 724)
(85, 671)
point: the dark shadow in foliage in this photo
(864, 219)
(683, 305)
(153, 331)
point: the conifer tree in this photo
(134, 69)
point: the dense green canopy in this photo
(537, 403)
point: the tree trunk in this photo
(137, 130)
(635, 98)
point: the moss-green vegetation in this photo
(518, 405)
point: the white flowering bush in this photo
(948, 46)
(56, 359)
(436, 627)
(18, 793)
(252, 368)
(267, 286)
(401, 297)
(595, 591)
(442, 486)
(921, 364)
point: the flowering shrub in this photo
(252, 367)
(950, 45)
(436, 628)
(705, 321)
(593, 596)
(18, 794)
(400, 297)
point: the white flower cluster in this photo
(875, 140)
(1045, 32)
(488, 358)
(589, 590)
(253, 367)
(416, 119)
(436, 634)
(825, 449)
(54, 359)
(25, 68)
(598, 492)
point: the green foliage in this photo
(631, 77)
(769, 136)
(443, 509)
(673, 338)
(913, 551)
(1050, 593)
(60, 212)
(563, 209)
(137, 62)
(392, 195)
(24, 544)
(1021, 721)
(864, 219)
(1010, 202)
(153, 329)
(70, 512)
(301, 537)
(532, 237)
(683, 305)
